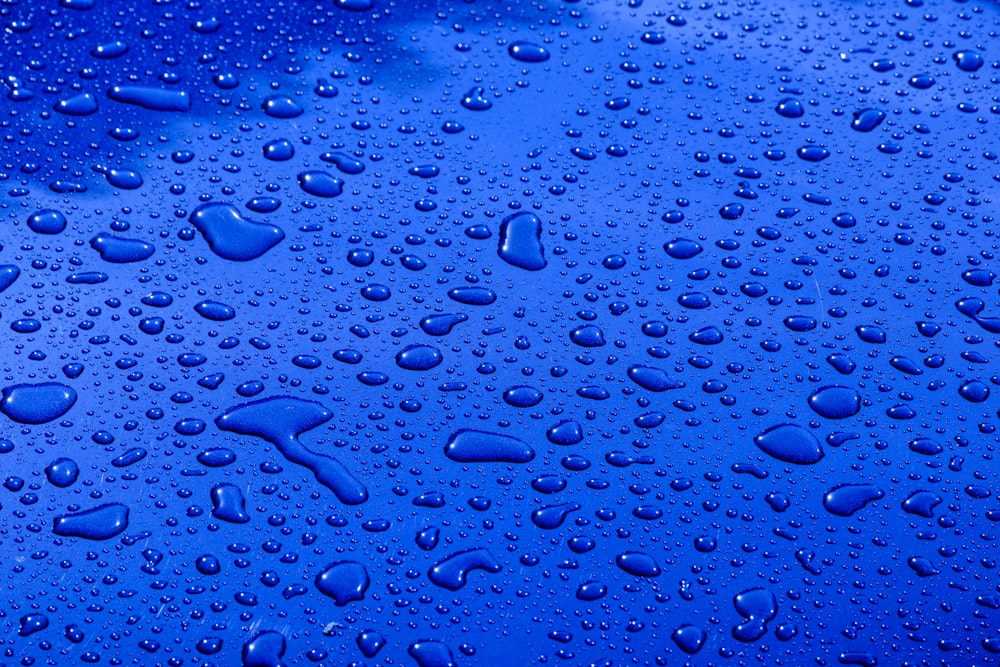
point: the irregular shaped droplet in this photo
(265, 649)
(979, 277)
(453, 571)
(757, 606)
(37, 403)
(431, 653)
(520, 241)
(905, 365)
(471, 446)
(83, 104)
(281, 420)
(427, 539)
(638, 564)
(154, 99)
(968, 61)
(790, 443)
(419, 358)
(8, 275)
(846, 499)
(475, 100)
(228, 503)
(47, 221)
(551, 517)
(974, 391)
(281, 106)
(441, 325)
(231, 236)
(835, 402)
(66, 187)
(922, 566)
(922, 503)
(344, 163)
(123, 179)
(588, 335)
(689, 638)
(32, 623)
(867, 120)
(117, 250)
(344, 581)
(653, 379)
(566, 432)
(100, 523)
(870, 333)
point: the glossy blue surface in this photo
(598, 332)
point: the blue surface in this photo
(609, 332)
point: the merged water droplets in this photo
(231, 236)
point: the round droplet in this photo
(62, 472)
(835, 402)
(790, 108)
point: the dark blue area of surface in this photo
(605, 332)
